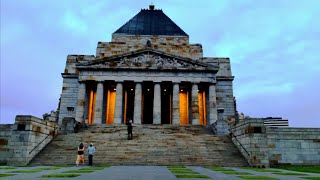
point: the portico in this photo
(105, 104)
(137, 87)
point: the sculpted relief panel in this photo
(150, 61)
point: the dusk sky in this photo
(273, 45)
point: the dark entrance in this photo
(166, 96)
(128, 101)
(147, 101)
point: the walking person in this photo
(80, 156)
(91, 150)
(130, 130)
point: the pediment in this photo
(147, 59)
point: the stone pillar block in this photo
(213, 113)
(137, 103)
(81, 102)
(157, 104)
(119, 104)
(175, 105)
(195, 105)
(99, 104)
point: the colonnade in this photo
(182, 111)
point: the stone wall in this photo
(5, 135)
(177, 45)
(270, 146)
(29, 136)
(69, 98)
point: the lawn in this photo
(312, 169)
(6, 175)
(262, 170)
(312, 178)
(25, 171)
(60, 175)
(5, 168)
(191, 176)
(290, 174)
(257, 177)
(79, 171)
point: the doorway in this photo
(147, 102)
(166, 102)
(128, 101)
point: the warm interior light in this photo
(114, 89)
(131, 89)
(181, 90)
(165, 90)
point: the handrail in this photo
(43, 140)
(232, 135)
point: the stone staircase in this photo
(151, 145)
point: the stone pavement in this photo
(144, 172)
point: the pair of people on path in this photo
(80, 156)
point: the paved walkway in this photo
(145, 172)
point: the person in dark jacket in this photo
(130, 130)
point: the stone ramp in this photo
(151, 145)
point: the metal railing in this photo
(235, 137)
(54, 130)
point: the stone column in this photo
(81, 102)
(157, 104)
(137, 103)
(118, 109)
(175, 104)
(99, 104)
(213, 115)
(195, 104)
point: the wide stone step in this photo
(152, 145)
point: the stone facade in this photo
(161, 71)
(270, 146)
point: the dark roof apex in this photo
(151, 22)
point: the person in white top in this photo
(91, 150)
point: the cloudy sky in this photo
(274, 47)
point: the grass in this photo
(79, 171)
(5, 168)
(175, 167)
(257, 177)
(262, 170)
(48, 168)
(184, 172)
(6, 175)
(60, 175)
(216, 168)
(312, 178)
(235, 172)
(290, 174)
(312, 169)
(191, 176)
(25, 171)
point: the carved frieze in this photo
(152, 61)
